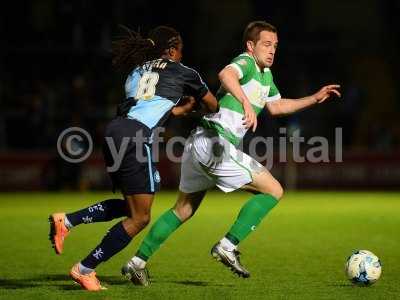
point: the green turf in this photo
(297, 253)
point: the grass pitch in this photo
(298, 252)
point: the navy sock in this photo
(113, 242)
(100, 212)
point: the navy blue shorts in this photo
(132, 171)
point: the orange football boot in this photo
(58, 231)
(88, 282)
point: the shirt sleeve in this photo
(243, 65)
(131, 84)
(194, 84)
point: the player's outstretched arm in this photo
(289, 106)
(230, 81)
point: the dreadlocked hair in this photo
(133, 50)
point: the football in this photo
(363, 268)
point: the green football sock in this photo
(159, 232)
(250, 216)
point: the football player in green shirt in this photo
(211, 157)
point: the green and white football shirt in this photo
(259, 88)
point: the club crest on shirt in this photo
(157, 177)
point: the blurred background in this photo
(55, 72)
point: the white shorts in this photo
(209, 160)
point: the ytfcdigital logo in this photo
(75, 145)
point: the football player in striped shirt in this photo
(211, 156)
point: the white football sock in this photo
(137, 261)
(67, 223)
(227, 244)
(84, 270)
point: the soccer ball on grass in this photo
(363, 268)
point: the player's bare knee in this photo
(184, 212)
(278, 191)
(275, 190)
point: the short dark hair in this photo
(253, 29)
